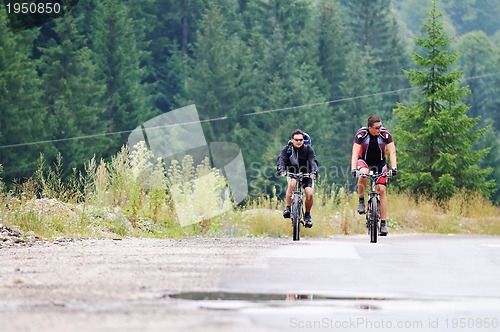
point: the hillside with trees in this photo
(256, 70)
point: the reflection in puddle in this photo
(365, 303)
(228, 296)
(298, 297)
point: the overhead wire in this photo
(289, 108)
(58, 140)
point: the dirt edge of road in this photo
(120, 284)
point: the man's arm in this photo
(312, 162)
(354, 158)
(281, 162)
(392, 154)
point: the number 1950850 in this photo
(33, 8)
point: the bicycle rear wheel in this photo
(373, 220)
(296, 208)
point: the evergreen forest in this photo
(256, 70)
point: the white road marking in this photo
(490, 245)
(317, 249)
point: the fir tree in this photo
(212, 83)
(334, 45)
(435, 137)
(22, 115)
(477, 62)
(376, 31)
(72, 94)
(127, 98)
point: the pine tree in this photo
(290, 15)
(127, 98)
(212, 82)
(72, 94)
(335, 45)
(376, 32)
(169, 29)
(435, 137)
(495, 114)
(477, 62)
(22, 115)
(473, 15)
(360, 90)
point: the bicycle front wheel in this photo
(373, 220)
(296, 206)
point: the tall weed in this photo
(136, 195)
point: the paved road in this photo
(402, 283)
(397, 266)
(405, 282)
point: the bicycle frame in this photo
(373, 211)
(297, 210)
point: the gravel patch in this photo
(111, 285)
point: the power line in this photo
(327, 102)
(58, 140)
(290, 108)
(480, 76)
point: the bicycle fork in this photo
(297, 207)
(296, 216)
(369, 212)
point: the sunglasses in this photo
(298, 139)
(377, 127)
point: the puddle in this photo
(274, 298)
(228, 296)
(281, 310)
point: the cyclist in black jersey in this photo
(299, 157)
(369, 153)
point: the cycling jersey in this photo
(372, 149)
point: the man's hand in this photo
(394, 171)
(354, 173)
(312, 176)
(283, 173)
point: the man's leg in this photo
(309, 203)
(309, 198)
(288, 197)
(362, 182)
(383, 208)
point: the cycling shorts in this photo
(377, 168)
(307, 182)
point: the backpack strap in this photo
(385, 134)
(362, 133)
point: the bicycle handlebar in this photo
(298, 175)
(376, 175)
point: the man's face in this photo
(298, 140)
(375, 129)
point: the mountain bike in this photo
(297, 210)
(373, 211)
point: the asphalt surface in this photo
(401, 283)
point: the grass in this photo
(463, 213)
(135, 195)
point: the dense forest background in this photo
(256, 70)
